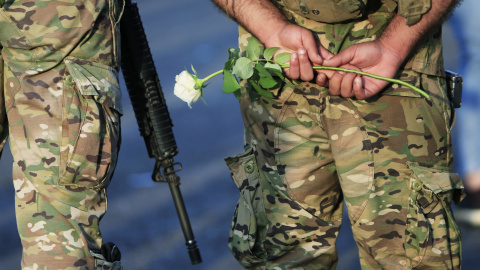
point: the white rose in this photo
(185, 88)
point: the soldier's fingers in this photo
(342, 58)
(306, 70)
(293, 72)
(335, 83)
(312, 50)
(322, 80)
(324, 53)
(347, 85)
(358, 88)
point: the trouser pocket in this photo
(432, 236)
(249, 221)
(91, 124)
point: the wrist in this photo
(399, 39)
(270, 36)
(389, 47)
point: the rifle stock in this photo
(151, 113)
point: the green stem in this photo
(212, 75)
(397, 81)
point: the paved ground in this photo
(141, 217)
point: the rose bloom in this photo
(185, 88)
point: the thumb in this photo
(340, 59)
(312, 52)
(310, 45)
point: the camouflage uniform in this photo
(61, 109)
(387, 158)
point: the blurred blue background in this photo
(141, 218)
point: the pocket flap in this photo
(241, 166)
(97, 80)
(439, 180)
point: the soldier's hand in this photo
(371, 57)
(305, 51)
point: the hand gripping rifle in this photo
(152, 114)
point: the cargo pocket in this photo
(431, 229)
(90, 124)
(249, 221)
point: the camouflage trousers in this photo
(388, 159)
(60, 109)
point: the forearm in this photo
(260, 17)
(401, 39)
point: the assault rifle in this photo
(152, 114)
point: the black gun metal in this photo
(151, 113)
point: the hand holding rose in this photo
(262, 72)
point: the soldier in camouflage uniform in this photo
(60, 109)
(386, 153)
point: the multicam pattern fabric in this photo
(61, 97)
(387, 158)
